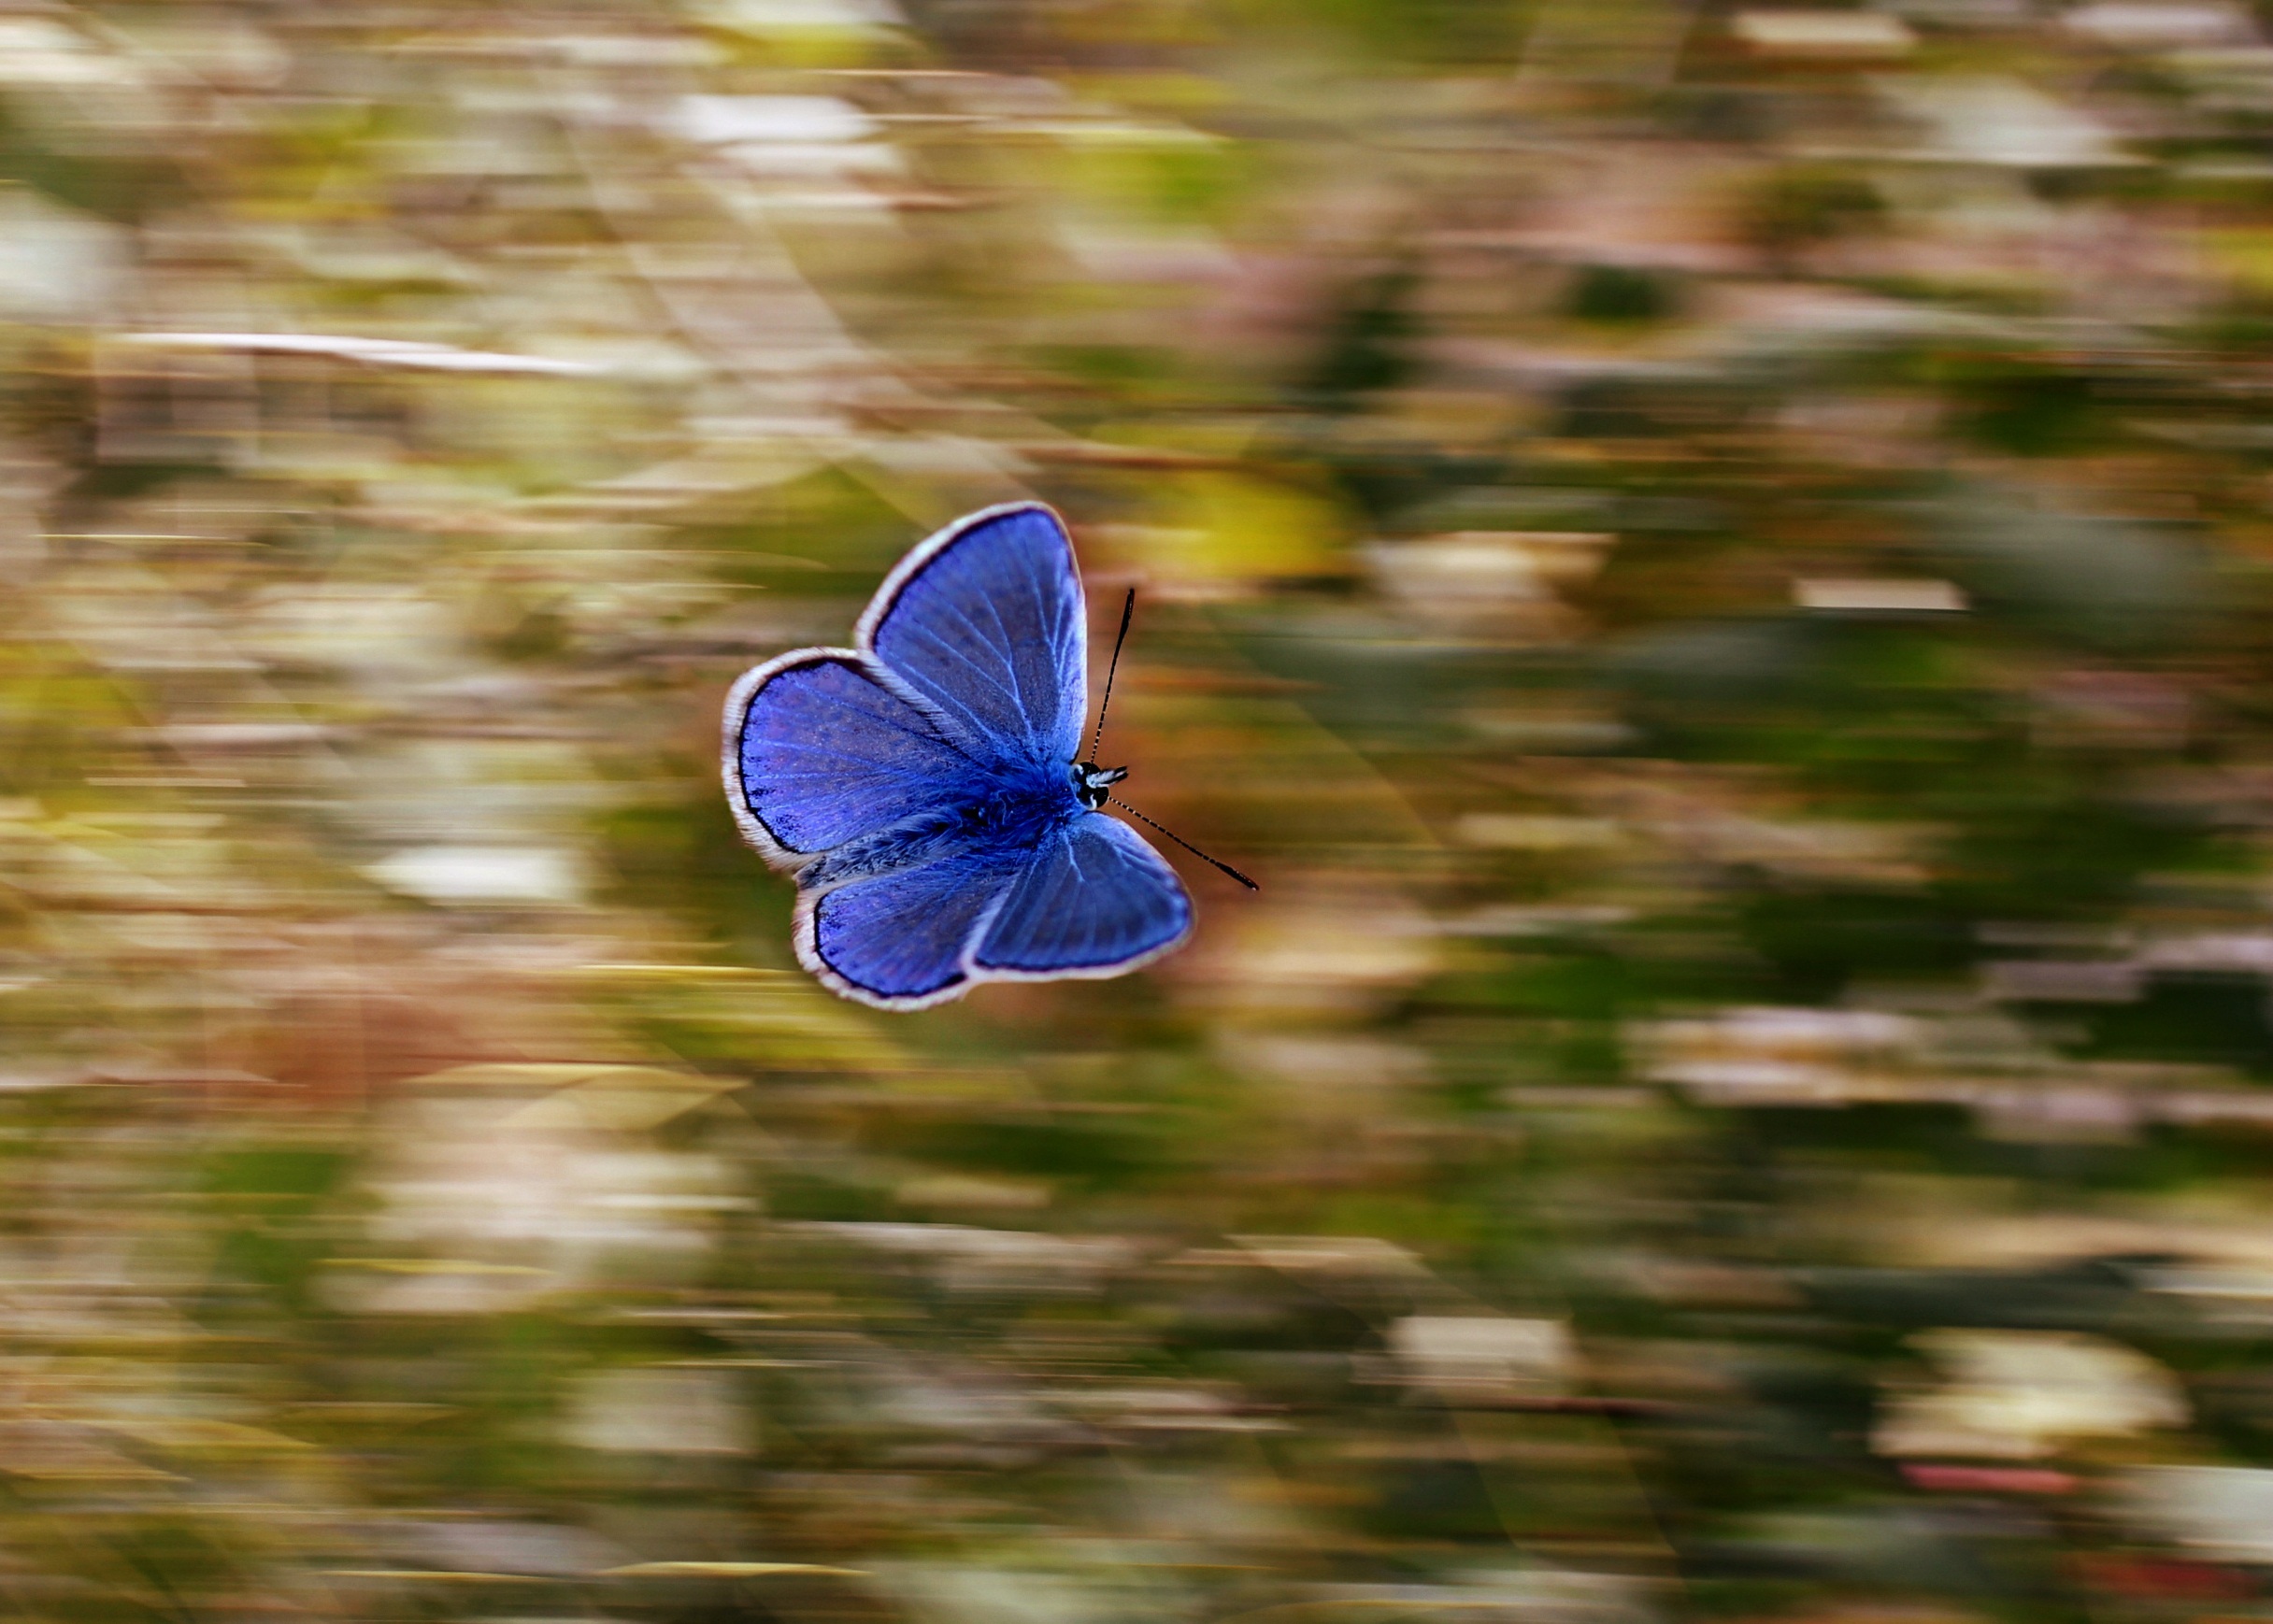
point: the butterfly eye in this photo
(1092, 783)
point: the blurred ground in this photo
(1714, 561)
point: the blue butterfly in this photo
(928, 789)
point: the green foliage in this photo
(1367, 349)
(1796, 208)
(1439, 34)
(1622, 293)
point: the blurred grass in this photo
(1714, 569)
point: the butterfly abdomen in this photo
(1012, 821)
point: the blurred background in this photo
(1717, 563)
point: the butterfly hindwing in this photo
(902, 939)
(985, 624)
(819, 750)
(1096, 899)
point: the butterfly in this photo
(928, 789)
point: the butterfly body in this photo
(926, 789)
(1004, 819)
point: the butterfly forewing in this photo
(825, 751)
(985, 624)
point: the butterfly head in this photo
(1094, 784)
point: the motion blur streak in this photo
(1713, 560)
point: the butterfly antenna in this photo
(1095, 738)
(1180, 840)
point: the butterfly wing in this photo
(818, 750)
(901, 940)
(1094, 900)
(968, 680)
(984, 623)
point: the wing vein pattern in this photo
(1096, 895)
